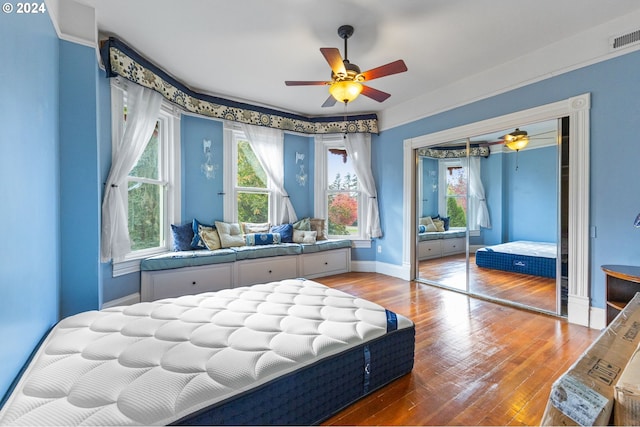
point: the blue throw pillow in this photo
(182, 237)
(444, 219)
(197, 242)
(286, 232)
(422, 228)
(256, 239)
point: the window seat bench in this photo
(174, 274)
(437, 244)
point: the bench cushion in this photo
(435, 235)
(187, 259)
(252, 252)
(325, 245)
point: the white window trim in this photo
(170, 115)
(322, 143)
(232, 134)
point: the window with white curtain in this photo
(338, 194)
(454, 201)
(152, 192)
(249, 195)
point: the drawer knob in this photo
(326, 263)
(193, 283)
(270, 271)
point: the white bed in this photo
(189, 359)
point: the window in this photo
(251, 185)
(453, 192)
(152, 190)
(453, 200)
(249, 196)
(338, 195)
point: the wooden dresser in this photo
(623, 281)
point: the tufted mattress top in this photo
(157, 362)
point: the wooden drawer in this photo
(325, 263)
(429, 249)
(453, 246)
(250, 272)
(185, 281)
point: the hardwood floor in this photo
(476, 362)
(533, 291)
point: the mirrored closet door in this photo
(492, 217)
(442, 203)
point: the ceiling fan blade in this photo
(394, 67)
(304, 83)
(330, 102)
(375, 94)
(333, 57)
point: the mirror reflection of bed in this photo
(508, 205)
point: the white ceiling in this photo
(245, 49)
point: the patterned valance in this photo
(120, 60)
(453, 152)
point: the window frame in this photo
(321, 192)
(232, 135)
(168, 175)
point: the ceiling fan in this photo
(516, 140)
(346, 78)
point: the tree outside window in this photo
(145, 195)
(252, 197)
(456, 195)
(343, 194)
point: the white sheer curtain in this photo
(358, 147)
(268, 145)
(476, 190)
(143, 107)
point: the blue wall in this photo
(530, 191)
(200, 196)
(29, 188)
(429, 198)
(614, 196)
(80, 183)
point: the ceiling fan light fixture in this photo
(516, 140)
(345, 90)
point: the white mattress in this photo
(523, 247)
(154, 363)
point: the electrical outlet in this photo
(379, 249)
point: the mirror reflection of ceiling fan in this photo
(516, 140)
(346, 78)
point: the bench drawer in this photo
(326, 263)
(185, 281)
(250, 272)
(429, 249)
(453, 246)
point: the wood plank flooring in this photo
(533, 291)
(476, 362)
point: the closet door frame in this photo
(577, 109)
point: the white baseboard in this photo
(363, 266)
(393, 270)
(399, 271)
(598, 318)
(125, 300)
